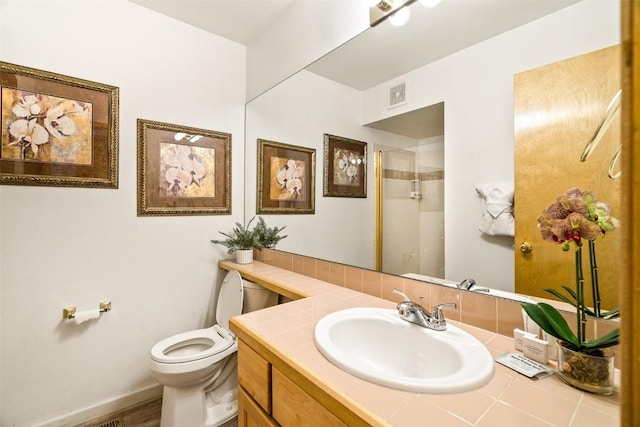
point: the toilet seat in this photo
(193, 345)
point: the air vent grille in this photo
(116, 422)
(397, 94)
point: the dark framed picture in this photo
(286, 178)
(183, 170)
(345, 167)
(57, 130)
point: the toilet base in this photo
(190, 407)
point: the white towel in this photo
(497, 209)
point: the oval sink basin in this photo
(375, 344)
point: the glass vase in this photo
(593, 373)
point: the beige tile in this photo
(509, 317)
(502, 415)
(552, 408)
(323, 270)
(479, 310)
(266, 255)
(298, 264)
(501, 343)
(383, 401)
(609, 405)
(307, 355)
(353, 278)
(309, 267)
(589, 417)
(290, 339)
(555, 386)
(338, 273)
(389, 283)
(418, 291)
(338, 378)
(475, 404)
(372, 283)
(420, 411)
(283, 260)
(498, 384)
(444, 294)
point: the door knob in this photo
(525, 247)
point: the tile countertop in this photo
(509, 399)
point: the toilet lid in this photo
(229, 298)
(192, 345)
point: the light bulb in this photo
(400, 17)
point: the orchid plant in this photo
(576, 216)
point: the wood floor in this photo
(145, 414)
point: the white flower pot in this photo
(244, 256)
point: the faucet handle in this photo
(437, 310)
(397, 291)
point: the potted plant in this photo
(242, 240)
(585, 364)
(267, 237)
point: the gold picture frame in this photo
(57, 130)
(182, 170)
(345, 167)
(286, 178)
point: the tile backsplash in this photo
(492, 314)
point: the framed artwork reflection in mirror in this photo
(286, 178)
(345, 167)
(183, 170)
(57, 130)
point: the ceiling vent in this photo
(397, 95)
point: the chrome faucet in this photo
(415, 313)
(467, 284)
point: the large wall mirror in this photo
(439, 105)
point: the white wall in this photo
(75, 247)
(304, 32)
(476, 86)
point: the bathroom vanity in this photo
(285, 381)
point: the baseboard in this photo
(85, 414)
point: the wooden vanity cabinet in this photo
(266, 397)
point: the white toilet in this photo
(199, 368)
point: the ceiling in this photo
(381, 53)
(430, 34)
(236, 20)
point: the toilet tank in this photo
(257, 297)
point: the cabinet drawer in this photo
(254, 374)
(250, 414)
(293, 407)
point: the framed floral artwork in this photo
(286, 178)
(345, 167)
(57, 130)
(183, 170)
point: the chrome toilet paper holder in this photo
(70, 312)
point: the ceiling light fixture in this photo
(400, 17)
(379, 10)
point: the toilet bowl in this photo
(198, 369)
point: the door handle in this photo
(525, 247)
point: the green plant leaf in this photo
(550, 321)
(607, 340)
(561, 297)
(559, 324)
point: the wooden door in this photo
(558, 108)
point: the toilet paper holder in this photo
(70, 312)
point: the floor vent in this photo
(116, 422)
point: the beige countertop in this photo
(284, 334)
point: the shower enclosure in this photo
(410, 217)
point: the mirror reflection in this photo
(445, 126)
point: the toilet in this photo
(198, 369)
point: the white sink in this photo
(377, 345)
